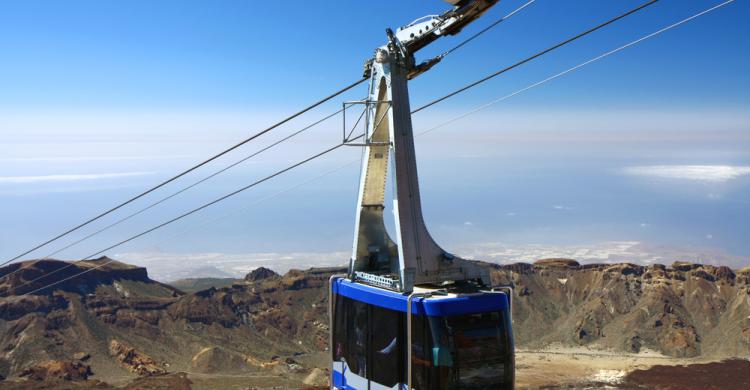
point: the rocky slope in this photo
(273, 326)
(684, 310)
(128, 325)
(192, 285)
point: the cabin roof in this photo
(443, 305)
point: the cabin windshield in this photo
(480, 349)
(469, 351)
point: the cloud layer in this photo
(169, 266)
(75, 159)
(705, 173)
(67, 178)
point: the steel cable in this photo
(606, 54)
(175, 219)
(191, 169)
(535, 56)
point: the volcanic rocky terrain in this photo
(113, 326)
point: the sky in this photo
(647, 150)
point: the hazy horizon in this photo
(650, 146)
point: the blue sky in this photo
(182, 54)
(101, 99)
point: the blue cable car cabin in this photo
(460, 339)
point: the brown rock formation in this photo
(558, 262)
(685, 311)
(261, 273)
(57, 370)
(133, 360)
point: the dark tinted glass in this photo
(462, 352)
(481, 356)
(339, 328)
(357, 337)
(425, 376)
(386, 346)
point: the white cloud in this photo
(168, 266)
(64, 189)
(598, 252)
(67, 178)
(91, 158)
(705, 173)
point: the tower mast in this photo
(413, 257)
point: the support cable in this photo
(484, 30)
(573, 69)
(535, 56)
(468, 113)
(185, 172)
(539, 83)
(164, 199)
(175, 219)
(471, 38)
(245, 207)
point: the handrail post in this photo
(409, 336)
(508, 290)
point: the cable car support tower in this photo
(413, 257)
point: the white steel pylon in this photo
(414, 257)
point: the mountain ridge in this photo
(277, 325)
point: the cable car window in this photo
(481, 355)
(387, 326)
(422, 372)
(357, 337)
(461, 352)
(339, 328)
